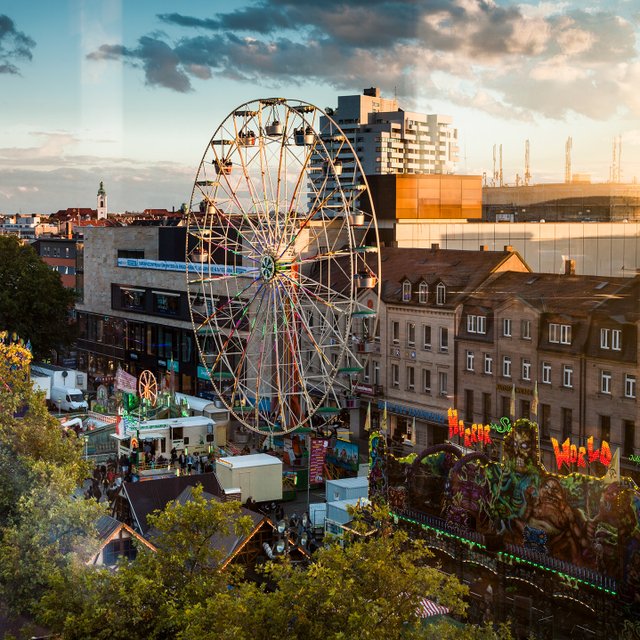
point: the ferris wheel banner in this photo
(125, 381)
(168, 265)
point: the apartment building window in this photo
(477, 324)
(526, 369)
(525, 409)
(567, 419)
(442, 383)
(411, 334)
(506, 366)
(426, 381)
(426, 337)
(616, 339)
(376, 372)
(366, 371)
(470, 359)
(505, 403)
(395, 375)
(545, 419)
(488, 364)
(411, 378)
(468, 405)
(629, 386)
(525, 329)
(605, 338)
(395, 331)
(423, 293)
(486, 408)
(441, 294)
(567, 376)
(166, 303)
(605, 428)
(629, 431)
(560, 333)
(605, 382)
(444, 339)
(506, 327)
(546, 373)
(132, 298)
(406, 291)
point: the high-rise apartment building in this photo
(386, 140)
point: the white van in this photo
(68, 399)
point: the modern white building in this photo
(390, 140)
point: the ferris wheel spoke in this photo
(226, 304)
(244, 353)
(232, 334)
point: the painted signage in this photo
(572, 454)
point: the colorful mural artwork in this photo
(590, 522)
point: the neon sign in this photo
(471, 435)
(504, 426)
(634, 458)
(572, 454)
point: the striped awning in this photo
(428, 608)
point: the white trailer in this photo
(61, 377)
(258, 476)
(208, 409)
(194, 434)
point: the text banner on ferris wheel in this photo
(167, 265)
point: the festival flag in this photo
(534, 404)
(383, 423)
(512, 405)
(125, 381)
(613, 471)
(367, 422)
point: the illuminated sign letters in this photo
(471, 435)
(572, 454)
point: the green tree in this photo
(150, 597)
(33, 302)
(42, 529)
(369, 589)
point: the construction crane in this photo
(527, 168)
(567, 159)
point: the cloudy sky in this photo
(131, 92)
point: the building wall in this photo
(420, 197)
(564, 201)
(605, 249)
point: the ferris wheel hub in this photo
(267, 267)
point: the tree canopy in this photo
(33, 302)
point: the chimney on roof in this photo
(374, 92)
(508, 247)
(484, 247)
(434, 246)
(569, 267)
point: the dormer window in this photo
(423, 293)
(406, 291)
(441, 294)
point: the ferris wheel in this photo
(282, 264)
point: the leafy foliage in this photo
(33, 302)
